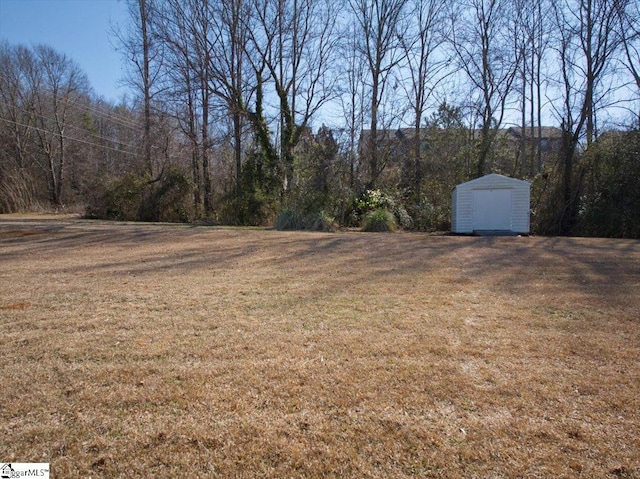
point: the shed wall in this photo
(462, 202)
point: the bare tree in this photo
(62, 85)
(378, 42)
(531, 39)
(587, 41)
(141, 48)
(292, 46)
(538, 33)
(352, 99)
(202, 68)
(229, 84)
(185, 28)
(483, 41)
(629, 18)
(425, 65)
(18, 84)
(19, 81)
(179, 85)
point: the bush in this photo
(379, 220)
(402, 216)
(17, 191)
(136, 198)
(321, 221)
(257, 200)
(120, 201)
(292, 219)
(170, 201)
(249, 208)
(289, 219)
(429, 217)
(373, 200)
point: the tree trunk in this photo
(417, 146)
(206, 174)
(373, 136)
(146, 84)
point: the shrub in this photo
(292, 219)
(379, 220)
(404, 218)
(321, 221)
(429, 217)
(121, 200)
(257, 200)
(169, 200)
(368, 201)
(17, 191)
(373, 200)
(249, 208)
(289, 219)
(136, 198)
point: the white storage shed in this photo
(492, 203)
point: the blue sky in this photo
(78, 28)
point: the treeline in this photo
(317, 114)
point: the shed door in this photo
(492, 209)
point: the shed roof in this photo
(491, 177)
(545, 133)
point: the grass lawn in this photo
(132, 350)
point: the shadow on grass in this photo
(605, 269)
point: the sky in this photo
(77, 28)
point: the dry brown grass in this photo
(174, 351)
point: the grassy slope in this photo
(151, 351)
